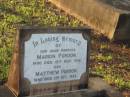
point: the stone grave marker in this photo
(49, 60)
(110, 18)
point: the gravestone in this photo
(110, 18)
(49, 60)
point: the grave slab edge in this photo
(103, 18)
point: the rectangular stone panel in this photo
(53, 60)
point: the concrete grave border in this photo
(104, 18)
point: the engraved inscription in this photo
(52, 58)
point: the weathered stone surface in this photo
(2, 82)
(5, 92)
(120, 4)
(108, 17)
(13, 82)
(98, 84)
(97, 88)
(81, 93)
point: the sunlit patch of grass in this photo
(5, 58)
(114, 75)
(104, 46)
(103, 58)
(25, 12)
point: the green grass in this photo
(112, 76)
(15, 13)
(112, 66)
(103, 58)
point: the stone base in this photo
(98, 84)
(5, 92)
(97, 88)
(108, 17)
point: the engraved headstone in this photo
(49, 60)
